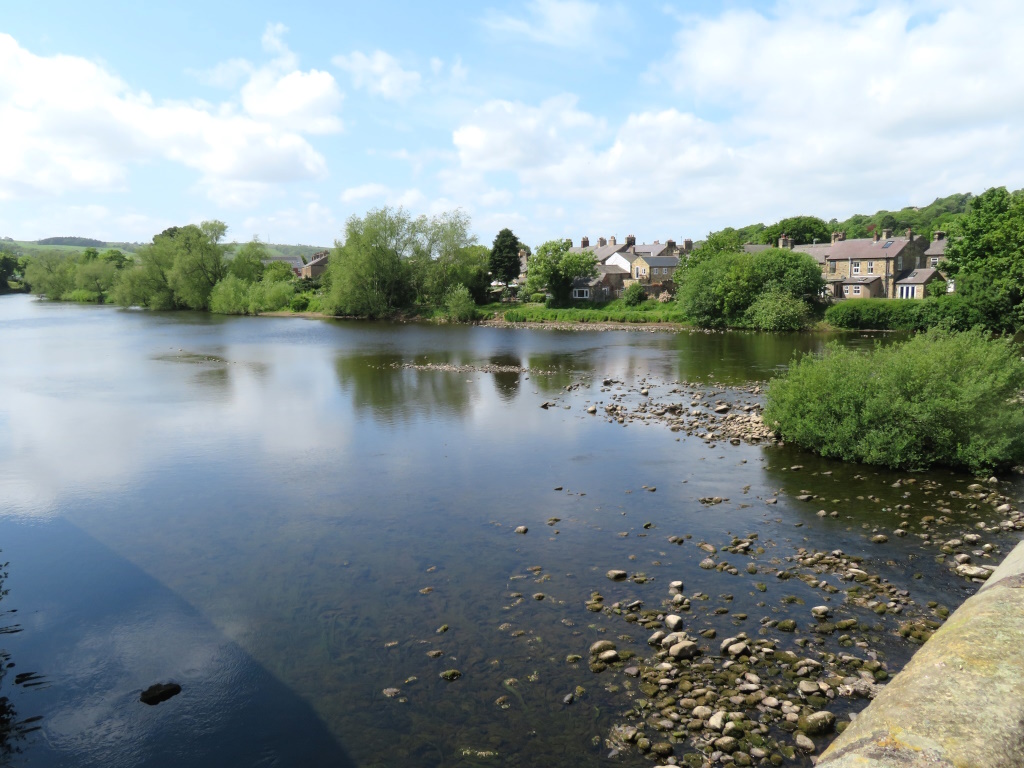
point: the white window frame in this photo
(856, 267)
(871, 267)
(581, 293)
(846, 290)
(908, 291)
(933, 261)
(856, 290)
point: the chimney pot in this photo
(910, 234)
(630, 239)
(940, 234)
(687, 245)
(876, 236)
(887, 234)
(585, 242)
(602, 241)
(611, 240)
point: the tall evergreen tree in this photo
(505, 256)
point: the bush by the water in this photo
(943, 398)
(778, 311)
(634, 296)
(459, 304)
(952, 310)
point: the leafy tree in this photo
(447, 255)
(10, 266)
(198, 262)
(115, 257)
(145, 284)
(554, 266)
(504, 260)
(50, 274)
(97, 277)
(796, 274)
(247, 263)
(277, 272)
(368, 273)
(230, 296)
(778, 311)
(727, 240)
(985, 257)
(459, 304)
(803, 230)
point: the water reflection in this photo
(378, 383)
(506, 383)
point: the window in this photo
(871, 267)
(933, 261)
(581, 293)
(908, 291)
(899, 263)
(846, 290)
(831, 267)
(856, 290)
(856, 267)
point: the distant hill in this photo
(81, 242)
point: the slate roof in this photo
(937, 248)
(855, 279)
(661, 261)
(649, 250)
(755, 247)
(601, 252)
(611, 269)
(819, 251)
(918, 276)
(866, 248)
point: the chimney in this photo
(630, 239)
(585, 242)
(876, 236)
(785, 241)
(611, 240)
(887, 234)
(657, 242)
(842, 236)
(687, 245)
(602, 241)
(835, 238)
(939, 235)
(910, 234)
(670, 246)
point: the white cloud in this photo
(67, 123)
(280, 92)
(227, 74)
(380, 74)
(364, 191)
(803, 109)
(504, 135)
(561, 23)
(312, 224)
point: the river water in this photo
(283, 518)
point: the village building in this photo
(606, 285)
(316, 266)
(646, 263)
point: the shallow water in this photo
(276, 514)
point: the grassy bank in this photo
(612, 312)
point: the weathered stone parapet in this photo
(960, 700)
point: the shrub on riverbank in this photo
(614, 312)
(952, 310)
(942, 398)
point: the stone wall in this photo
(960, 700)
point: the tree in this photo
(50, 274)
(555, 266)
(198, 262)
(447, 255)
(802, 229)
(9, 267)
(368, 272)
(96, 277)
(504, 260)
(727, 240)
(796, 274)
(247, 263)
(985, 257)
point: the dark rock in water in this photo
(159, 692)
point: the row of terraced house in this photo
(881, 266)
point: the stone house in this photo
(605, 286)
(654, 269)
(316, 266)
(888, 258)
(613, 253)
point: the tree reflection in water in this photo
(13, 730)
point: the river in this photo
(305, 522)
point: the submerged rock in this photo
(159, 692)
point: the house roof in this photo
(866, 248)
(661, 261)
(820, 251)
(611, 269)
(919, 276)
(651, 250)
(755, 247)
(587, 282)
(856, 279)
(937, 247)
(601, 252)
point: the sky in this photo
(555, 118)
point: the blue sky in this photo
(557, 118)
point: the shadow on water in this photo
(105, 631)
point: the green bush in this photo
(538, 298)
(230, 297)
(82, 296)
(270, 295)
(952, 311)
(515, 316)
(634, 296)
(299, 302)
(941, 398)
(459, 304)
(778, 311)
